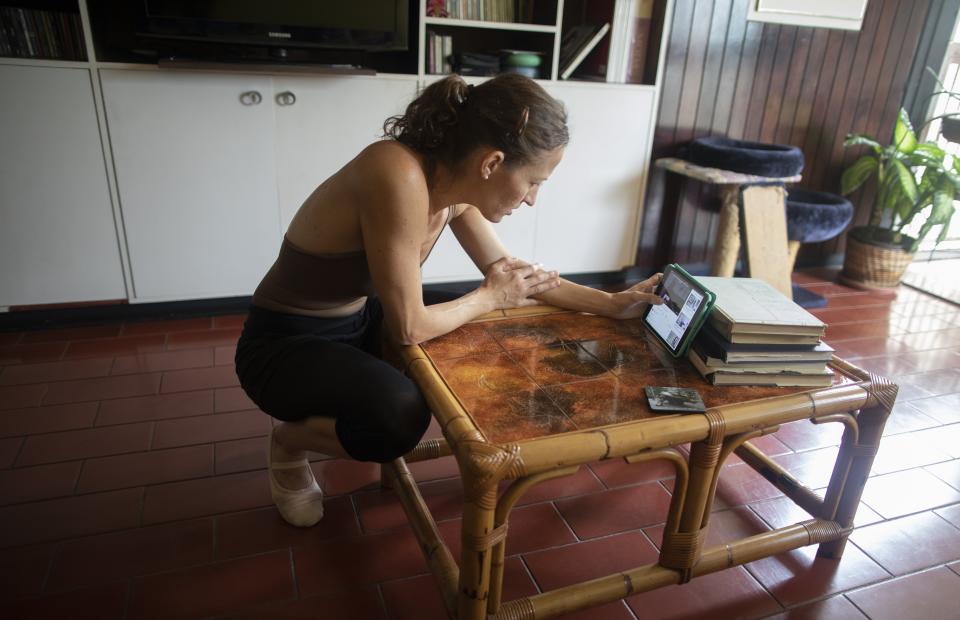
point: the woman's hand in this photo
(631, 303)
(511, 282)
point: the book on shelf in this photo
(30, 33)
(577, 43)
(775, 379)
(629, 38)
(707, 365)
(753, 308)
(446, 46)
(439, 51)
(720, 350)
(485, 10)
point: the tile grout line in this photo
(76, 482)
(153, 433)
(143, 506)
(127, 598)
(855, 606)
(526, 568)
(383, 599)
(214, 537)
(293, 574)
(45, 582)
(858, 588)
(16, 457)
(151, 421)
(569, 527)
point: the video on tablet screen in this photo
(671, 319)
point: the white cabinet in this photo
(588, 213)
(194, 157)
(58, 242)
(211, 167)
(322, 122)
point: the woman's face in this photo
(508, 187)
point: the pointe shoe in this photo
(299, 507)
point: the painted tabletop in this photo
(529, 377)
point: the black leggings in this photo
(294, 367)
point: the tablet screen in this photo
(672, 319)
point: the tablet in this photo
(686, 306)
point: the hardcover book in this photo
(576, 44)
(779, 379)
(753, 308)
(715, 347)
(707, 365)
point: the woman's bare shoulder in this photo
(387, 177)
(392, 161)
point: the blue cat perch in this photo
(807, 217)
(726, 247)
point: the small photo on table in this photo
(675, 399)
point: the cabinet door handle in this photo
(250, 97)
(286, 98)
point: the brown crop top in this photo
(300, 280)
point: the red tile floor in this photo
(132, 485)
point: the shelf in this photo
(44, 62)
(470, 23)
(269, 68)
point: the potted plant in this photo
(916, 183)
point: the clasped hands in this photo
(514, 282)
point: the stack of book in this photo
(483, 10)
(31, 33)
(439, 51)
(757, 336)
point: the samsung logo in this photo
(279, 35)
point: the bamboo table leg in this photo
(855, 461)
(482, 467)
(727, 244)
(681, 549)
(478, 539)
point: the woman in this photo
(350, 261)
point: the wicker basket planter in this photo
(874, 264)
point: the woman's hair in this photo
(510, 113)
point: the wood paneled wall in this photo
(764, 82)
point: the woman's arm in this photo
(394, 221)
(480, 241)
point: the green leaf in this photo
(905, 179)
(859, 139)
(913, 160)
(946, 228)
(942, 204)
(857, 174)
(932, 150)
(889, 197)
(954, 179)
(903, 137)
(928, 180)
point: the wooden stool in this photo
(726, 247)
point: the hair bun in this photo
(509, 112)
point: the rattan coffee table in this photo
(529, 395)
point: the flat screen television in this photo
(368, 25)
